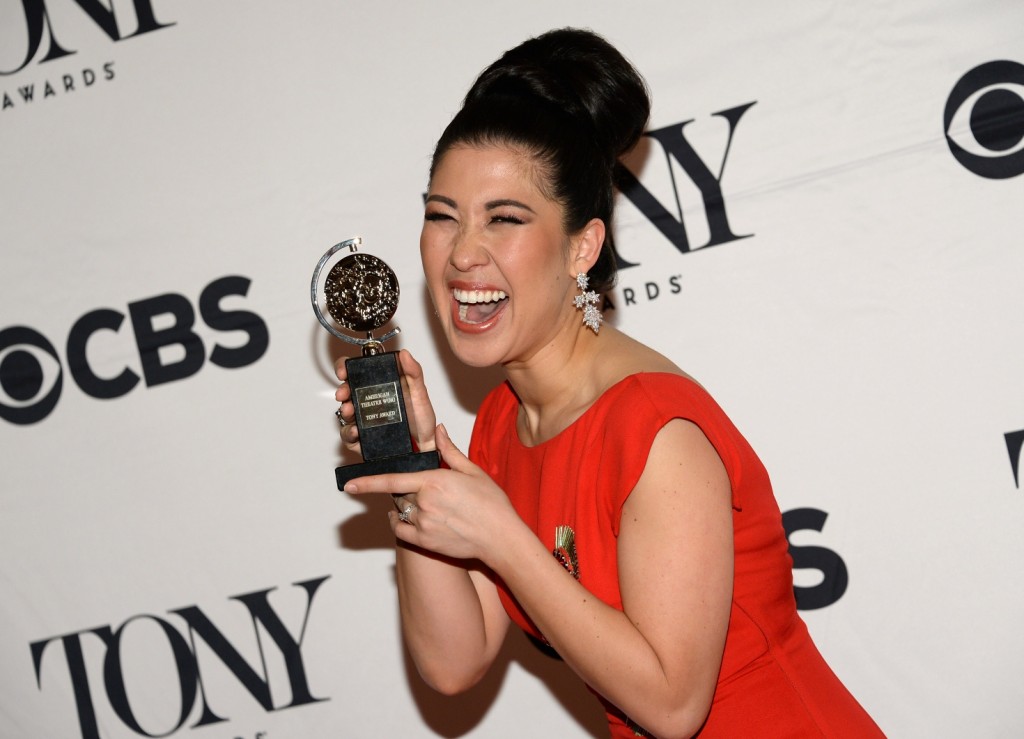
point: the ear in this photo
(586, 246)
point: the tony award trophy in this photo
(360, 292)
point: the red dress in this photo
(570, 491)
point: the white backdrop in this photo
(864, 334)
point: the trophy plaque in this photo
(360, 292)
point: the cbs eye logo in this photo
(984, 120)
(28, 362)
(162, 331)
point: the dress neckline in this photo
(601, 399)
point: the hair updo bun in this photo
(573, 101)
(577, 72)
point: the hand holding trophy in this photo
(360, 293)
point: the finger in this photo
(343, 393)
(410, 367)
(346, 414)
(403, 531)
(406, 514)
(413, 374)
(396, 523)
(399, 482)
(450, 453)
(350, 435)
(340, 370)
(403, 501)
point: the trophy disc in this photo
(361, 292)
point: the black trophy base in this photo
(384, 438)
(413, 462)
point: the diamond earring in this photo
(587, 301)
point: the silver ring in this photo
(341, 418)
(406, 512)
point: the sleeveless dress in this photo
(570, 490)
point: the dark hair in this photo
(576, 104)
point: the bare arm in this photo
(659, 659)
(452, 620)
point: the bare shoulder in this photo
(624, 356)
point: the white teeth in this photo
(478, 296)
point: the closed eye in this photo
(505, 218)
(437, 216)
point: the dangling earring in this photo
(587, 300)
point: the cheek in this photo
(541, 262)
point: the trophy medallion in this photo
(360, 294)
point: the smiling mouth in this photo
(477, 306)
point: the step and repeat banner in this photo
(823, 225)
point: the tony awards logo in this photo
(360, 293)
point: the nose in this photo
(468, 252)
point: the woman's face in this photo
(497, 260)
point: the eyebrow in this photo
(489, 205)
(492, 204)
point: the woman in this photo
(670, 589)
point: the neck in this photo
(558, 382)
